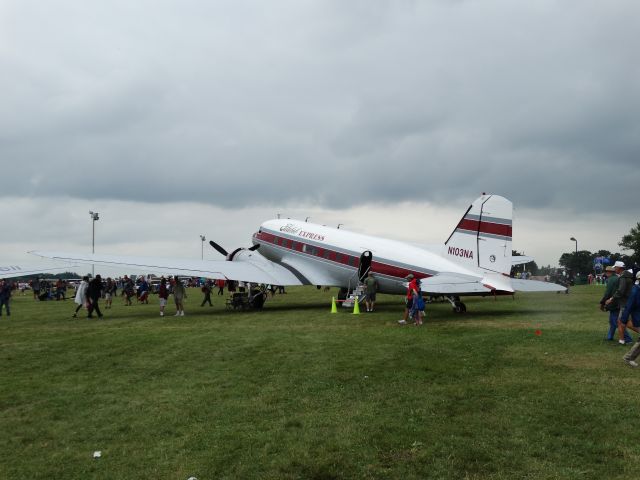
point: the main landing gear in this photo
(457, 304)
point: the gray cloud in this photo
(328, 103)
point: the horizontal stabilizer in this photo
(521, 259)
(535, 286)
(452, 284)
(496, 281)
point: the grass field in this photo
(295, 392)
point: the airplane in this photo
(476, 259)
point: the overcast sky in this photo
(179, 118)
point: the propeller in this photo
(218, 248)
(230, 256)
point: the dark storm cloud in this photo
(332, 103)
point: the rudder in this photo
(482, 238)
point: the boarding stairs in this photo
(358, 293)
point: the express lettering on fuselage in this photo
(311, 236)
(10, 268)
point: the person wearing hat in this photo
(411, 287)
(620, 296)
(613, 309)
(632, 309)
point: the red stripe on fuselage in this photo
(485, 227)
(333, 256)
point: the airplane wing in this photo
(12, 271)
(535, 286)
(461, 285)
(520, 259)
(452, 284)
(249, 267)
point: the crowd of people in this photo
(90, 292)
(621, 300)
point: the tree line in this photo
(582, 262)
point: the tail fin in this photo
(482, 239)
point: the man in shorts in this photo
(371, 283)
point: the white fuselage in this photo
(321, 255)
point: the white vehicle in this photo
(475, 260)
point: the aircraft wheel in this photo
(460, 308)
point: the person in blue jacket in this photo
(632, 309)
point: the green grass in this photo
(295, 392)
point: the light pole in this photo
(94, 217)
(202, 239)
(573, 239)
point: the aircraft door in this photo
(365, 265)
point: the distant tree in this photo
(631, 241)
(580, 262)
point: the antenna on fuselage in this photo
(305, 220)
(339, 225)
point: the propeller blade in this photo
(218, 248)
(255, 247)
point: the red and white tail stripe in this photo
(482, 238)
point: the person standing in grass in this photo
(409, 298)
(109, 292)
(5, 296)
(612, 306)
(220, 283)
(206, 289)
(620, 296)
(371, 283)
(81, 295)
(143, 291)
(417, 305)
(632, 309)
(128, 291)
(94, 292)
(179, 294)
(163, 295)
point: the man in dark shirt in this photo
(5, 296)
(94, 291)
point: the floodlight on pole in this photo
(573, 239)
(95, 216)
(202, 239)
